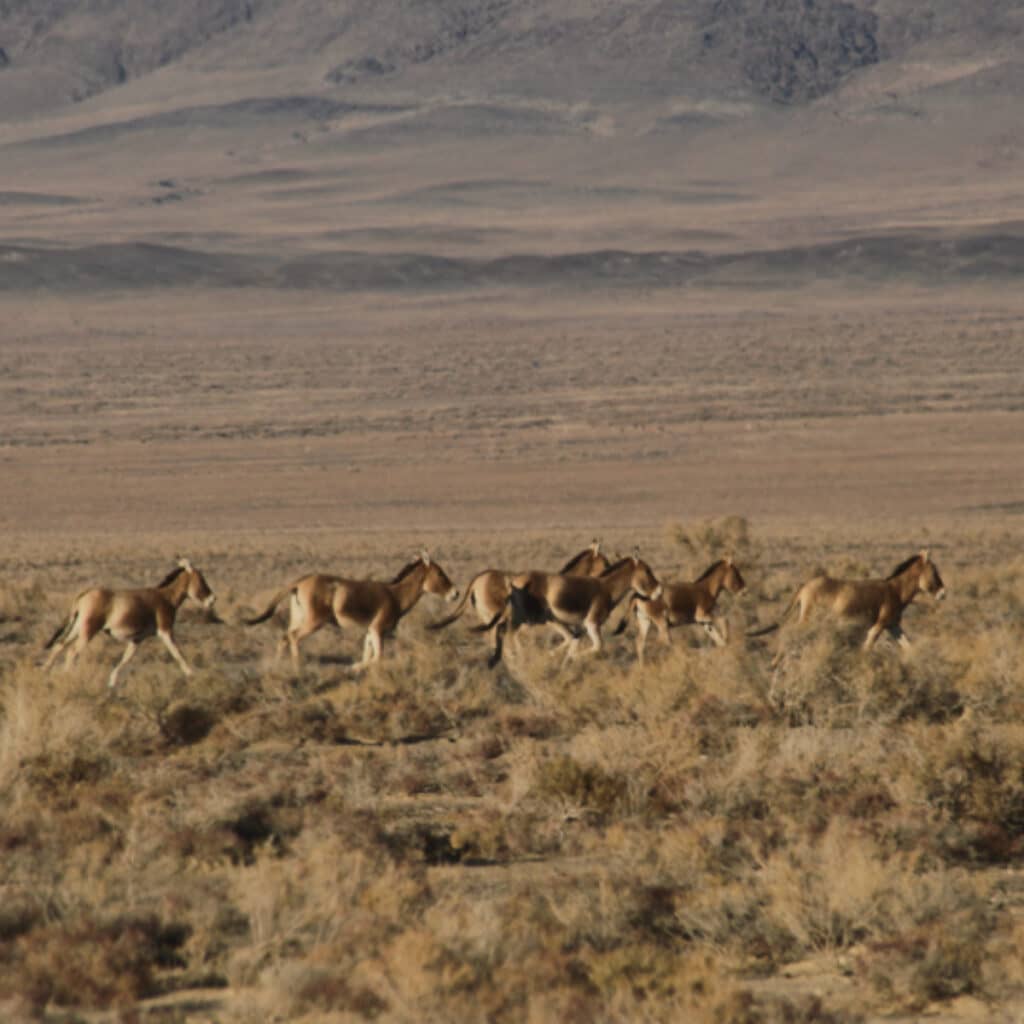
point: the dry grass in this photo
(590, 841)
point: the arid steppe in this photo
(290, 287)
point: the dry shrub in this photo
(992, 672)
(316, 989)
(487, 837)
(19, 914)
(185, 723)
(585, 842)
(814, 683)
(832, 892)
(587, 789)
(744, 1008)
(945, 943)
(260, 822)
(48, 730)
(25, 603)
(826, 679)
(973, 778)
(714, 538)
(717, 723)
(919, 686)
(670, 984)
(385, 708)
(529, 722)
(93, 963)
(55, 773)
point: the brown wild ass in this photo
(488, 591)
(571, 603)
(373, 605)
(130, 616)
(880, 602)
(686, 604)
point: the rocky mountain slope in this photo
(397, 143)
(782, 51)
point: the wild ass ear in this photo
(595, 545)
(425, 557)
(184, 563)
(636, 553)
(925, 555)
(728, 558)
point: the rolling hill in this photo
(396, 143)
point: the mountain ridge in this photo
(775, 51)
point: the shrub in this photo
(94, 963)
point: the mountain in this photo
(254, 137)
(784, 51)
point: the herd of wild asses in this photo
(577, 601)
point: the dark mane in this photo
(709, 570)
(621, 562)
(408, 569)
(574, 561)
(170, 577)
(903, 567)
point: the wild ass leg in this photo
(129, 653)
(712, 630)
(873, 634)
(58, 647)
(298, 629)
(780, 654)
(371, 649)
(499, 639)
(643, 624)
(172, 647)
(569, 640)
(567, 635)
(294, 637)
(896, 632)
(282, 646)
(76, 648)
(77, 640)
(593, 630)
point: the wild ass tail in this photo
(772, 627)
(459, 609)
(62, 630)
(271, 608)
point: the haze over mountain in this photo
(395, 143)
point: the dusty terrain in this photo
(229, 411)
(287, 287)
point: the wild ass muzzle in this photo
(686, 604)
(879, 602)
(377, 607)
(131, 616)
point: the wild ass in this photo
(130, 616)
(488, 591)
(880, 602)
(570, 603)
(314, 601)
(684, 604)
